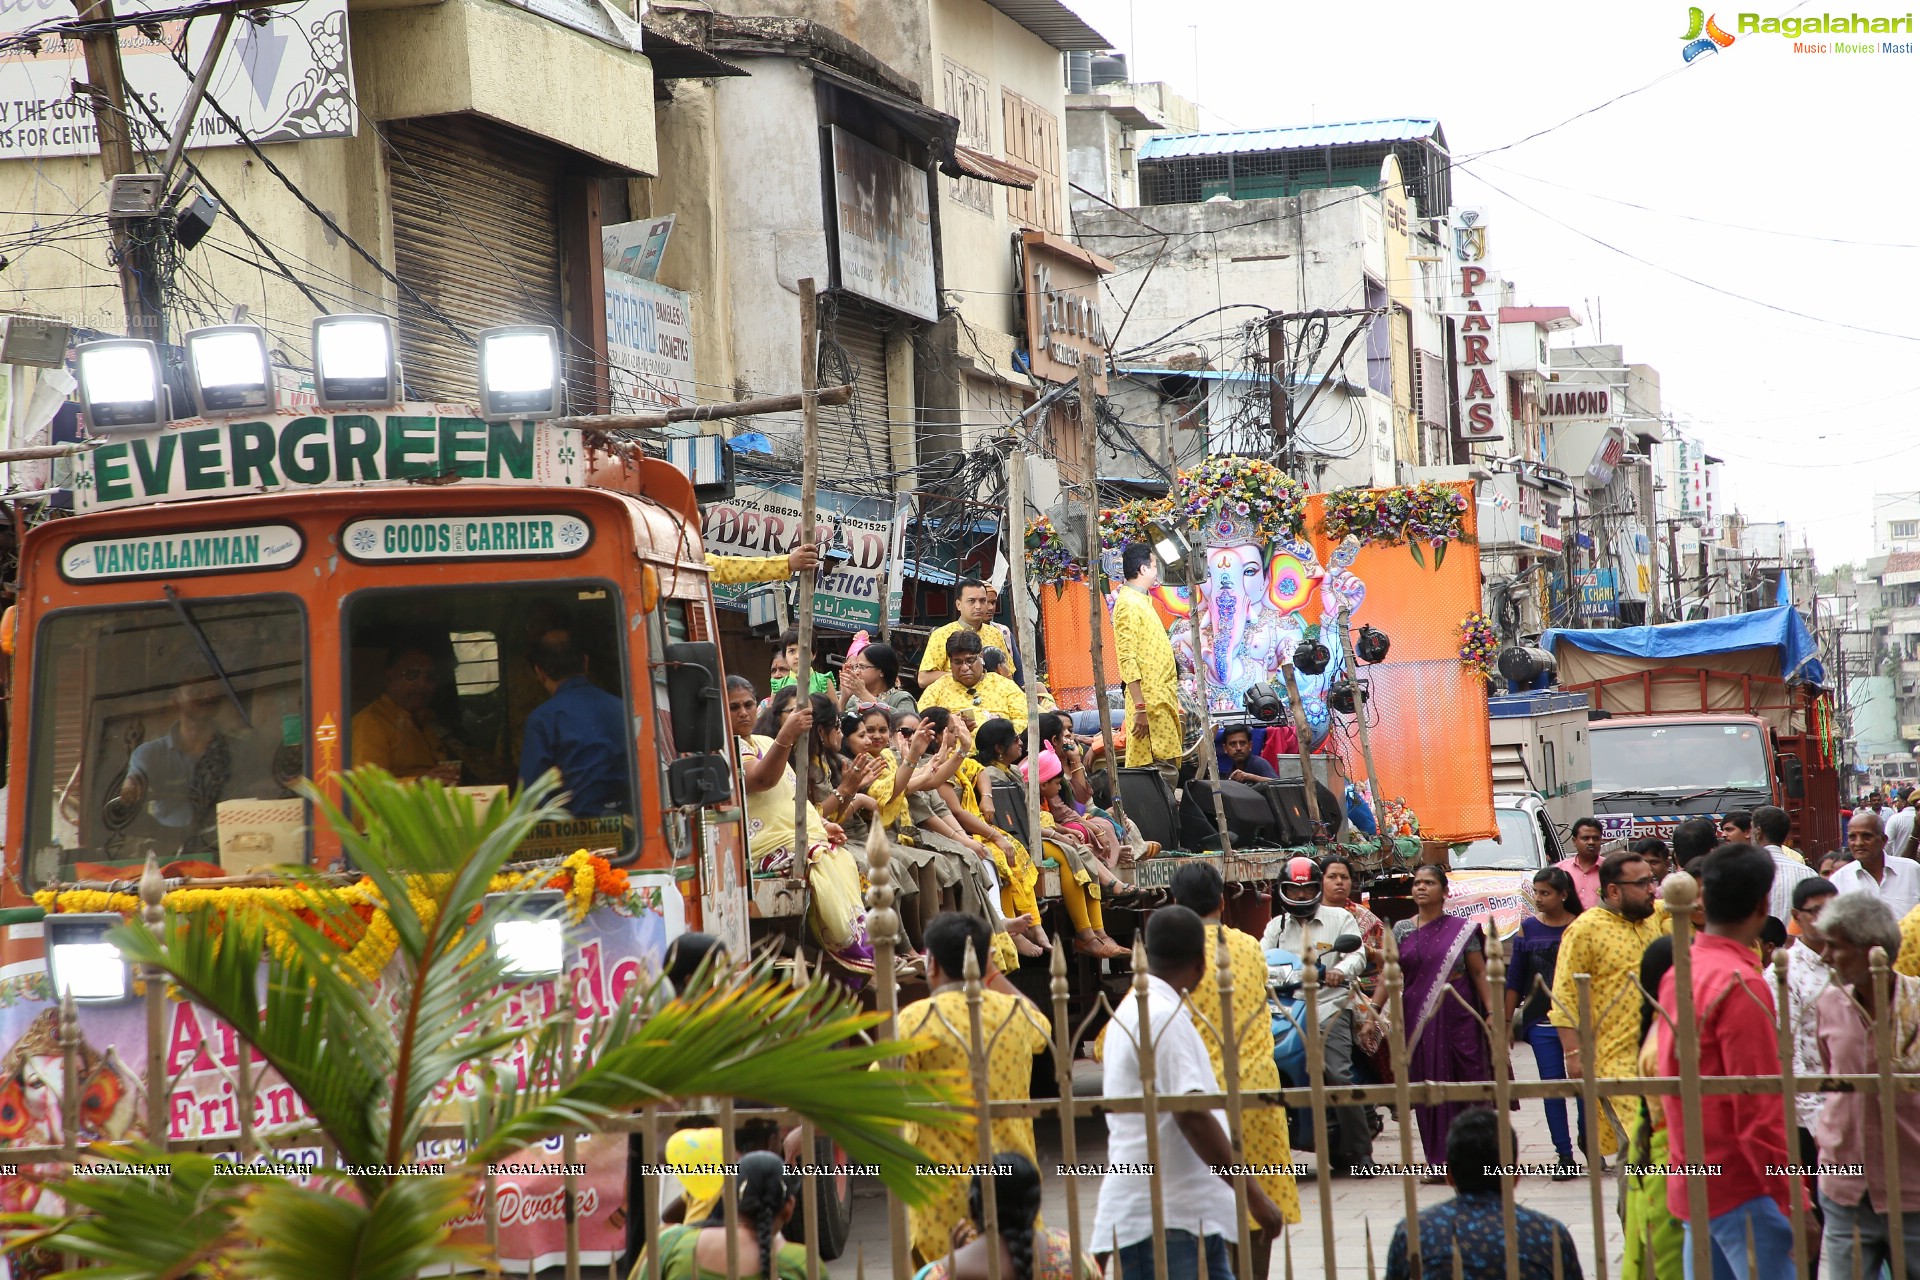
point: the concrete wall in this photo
(773, 220)
(691, 186)
(977, 248)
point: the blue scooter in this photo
(1285, 975)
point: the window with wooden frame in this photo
(1033, 138)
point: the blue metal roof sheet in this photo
(1289, 138)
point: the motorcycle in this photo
(1285, 976)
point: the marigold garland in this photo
(583, 876)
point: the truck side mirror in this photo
(694, 782)
(695, 699)
(1793, 776)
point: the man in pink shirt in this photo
(1584, 865)
(1745, 1136)
(1855, 1192)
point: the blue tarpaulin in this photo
(1780, 628)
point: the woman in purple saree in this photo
(1442, 957)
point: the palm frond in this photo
(139, 1228)
(321, 1039)
(763, 1040)
(301, 1234)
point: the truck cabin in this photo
(1682, 765)
(183, 664)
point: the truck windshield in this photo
(1518, 848)
(448, 683)
(139, 749)
(1679, 758)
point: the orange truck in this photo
(1694, 719)
(237, 605)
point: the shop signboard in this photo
(1060, 286)
(1475, 307)
(1594, 594)
(649, 326)
(884, 228)
(763, 520)
(294, 452)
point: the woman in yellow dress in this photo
(970, 795)
(1198, 887)
(836, 912)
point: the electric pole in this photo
(132, 235)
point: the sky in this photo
(1785, 178)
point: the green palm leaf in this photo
(305, 1234)
(139, 1228)
(796, 1049)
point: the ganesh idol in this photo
(1253, 611)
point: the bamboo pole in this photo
(1789, 1087)
(1882, 978)
(1063, 1050)
(1317, 1082)
(735, 409)
(883, 926)
(1209, 757)
(1300, 734)
(1023, 622)
(803, 607)
(1229, 1033)
(1360, 714)
(1096, 589)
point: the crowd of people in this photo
(936, 758)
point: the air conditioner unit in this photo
(135, 195)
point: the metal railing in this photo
(1249, 1020)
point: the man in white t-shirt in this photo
(1900, 827)
(1192, 1176)
(1896, 880)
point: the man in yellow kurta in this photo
(971, 691)
(1145, 655)
(735, 570)
(1198, 887)
(1606, 943)
(976, 602)
(1014, 1032)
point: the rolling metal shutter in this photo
(855, 443)
(476, 234)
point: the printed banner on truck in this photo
(200, 459)
(764, 520)
(619, 950)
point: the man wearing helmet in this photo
(1306, 926)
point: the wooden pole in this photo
(109, 93)
(1023, 621)
(1096, 589)
(803, 608)
(183, 125)
(704, 412)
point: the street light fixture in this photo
(228, 370)
(80, 960)
(121, 386)
(354, 366)
(520, 372)
(534, 943)
(1172, 549)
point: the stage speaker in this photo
(1250, 818)
(1148, 800)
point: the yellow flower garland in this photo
(588, 877)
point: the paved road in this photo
(1377, 1205)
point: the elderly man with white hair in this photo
(1857, 1207)
(1895, 881)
